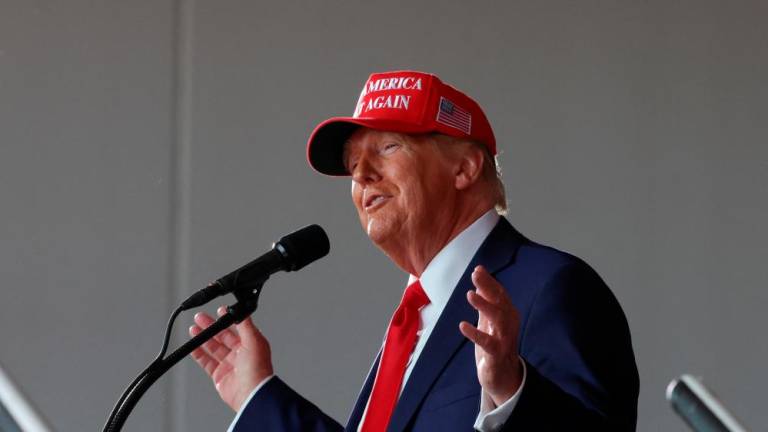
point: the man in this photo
(494, 332)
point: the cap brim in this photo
(325, 148)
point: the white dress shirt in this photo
(438, 281)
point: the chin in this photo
(378, 230)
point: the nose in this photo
(365, 172)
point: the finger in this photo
(214, 346)
(483, 340)
(490, 310)
(226, 337)
(203, 320)
(201, 357)
(494, 318)
(194, 331)
(216, 349)
(249, 334)
(487, 286)
(490, 318)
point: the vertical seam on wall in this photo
(181, 100)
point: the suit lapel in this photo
(496, 252)
(362, 398)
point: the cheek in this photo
(428, 194)
(416, 189)
(357, 195)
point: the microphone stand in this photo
(247, 302)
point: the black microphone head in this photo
(301, 247)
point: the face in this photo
(402, 185)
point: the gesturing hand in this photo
(237, 361)
(498, 367)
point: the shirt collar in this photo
(444, 271)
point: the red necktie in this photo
(398, 346)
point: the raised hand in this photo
(498, 367)
(237, 359)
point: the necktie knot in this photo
(414, 296)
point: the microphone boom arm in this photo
(247, 302)
(291, 253)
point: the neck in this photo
(414, 254)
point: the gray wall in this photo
(147, 147)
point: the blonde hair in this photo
(491, 171)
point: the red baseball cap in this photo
(401, 101)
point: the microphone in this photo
(291, 253)
(699, 407)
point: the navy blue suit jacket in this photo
(574, 338)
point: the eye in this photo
(351, 165)
(389, 148)
(350, 161)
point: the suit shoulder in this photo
(550, 260)
(537, 268)
(556, 279)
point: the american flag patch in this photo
(452, 115)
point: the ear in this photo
(469, 167)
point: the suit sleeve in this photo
(278, 408)
(578, 351)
